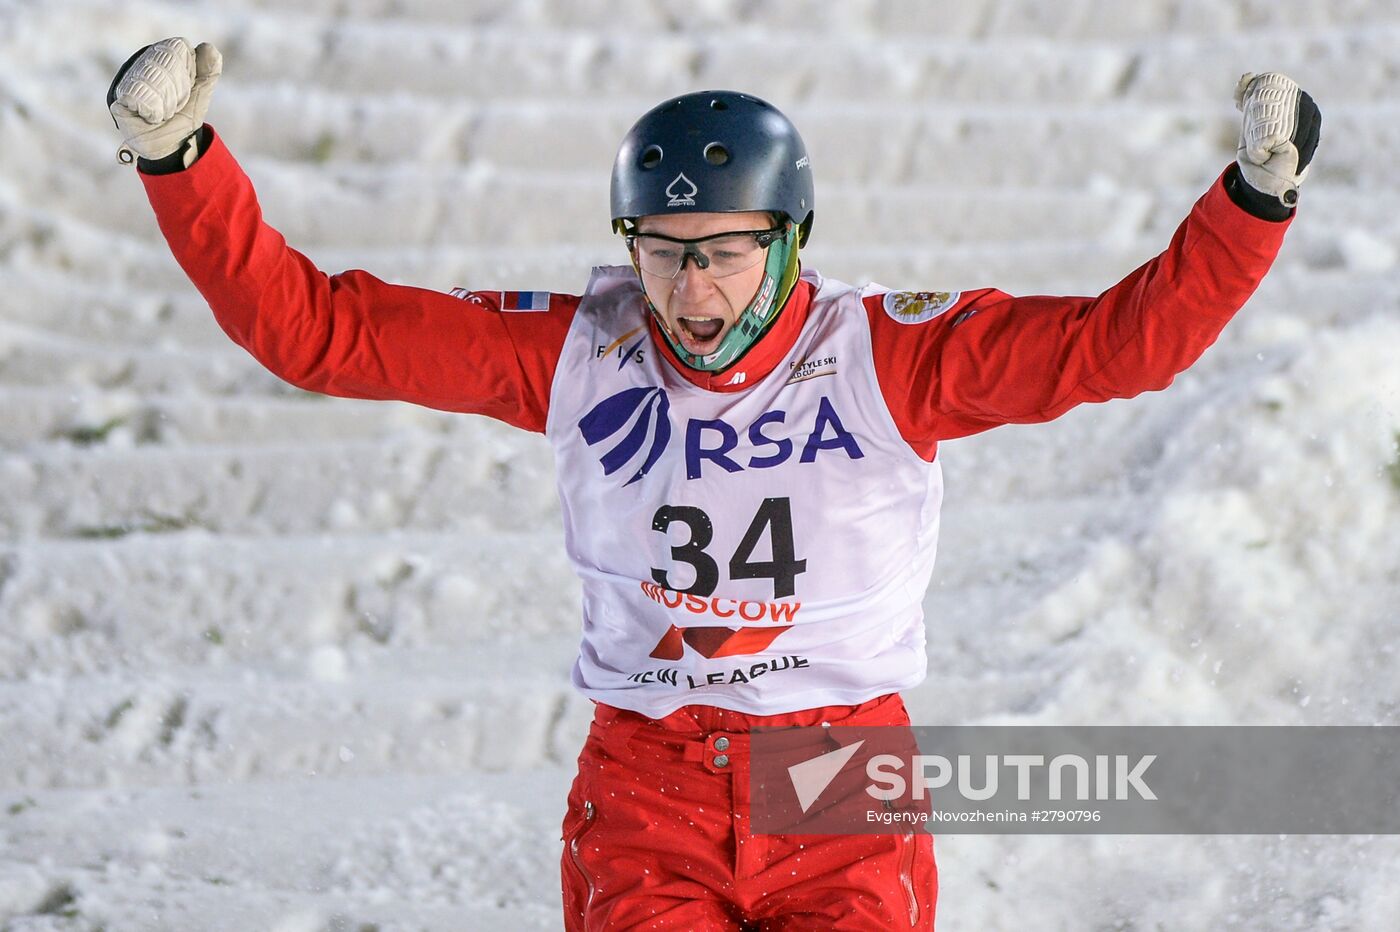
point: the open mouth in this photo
(701, 329)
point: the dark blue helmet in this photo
(718, 151)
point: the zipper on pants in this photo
(908, 847)
(574, 855)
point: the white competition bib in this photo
(764, 550)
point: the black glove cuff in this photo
(175, 161)
(1253, 201)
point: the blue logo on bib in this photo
(614, 413)
(766, 443)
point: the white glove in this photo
(1279, 135)
(159, 97)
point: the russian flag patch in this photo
(524, 300)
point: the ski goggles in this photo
(720, 254)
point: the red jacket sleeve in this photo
(993, 359)
(352, 334)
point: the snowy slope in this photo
(273, 661)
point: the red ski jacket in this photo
(988, 359)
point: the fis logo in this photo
(628, 348)
(647, 410)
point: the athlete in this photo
(746, 452)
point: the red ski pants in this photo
(657, 836)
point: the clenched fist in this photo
(1279, 135)
(159, 97)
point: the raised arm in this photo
(350, 334)
(966, 363)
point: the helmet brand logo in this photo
(681, 192)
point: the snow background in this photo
(273, 661)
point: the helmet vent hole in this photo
(716, 153)
(651, 157)
(717, 104)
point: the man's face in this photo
(696, 306)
